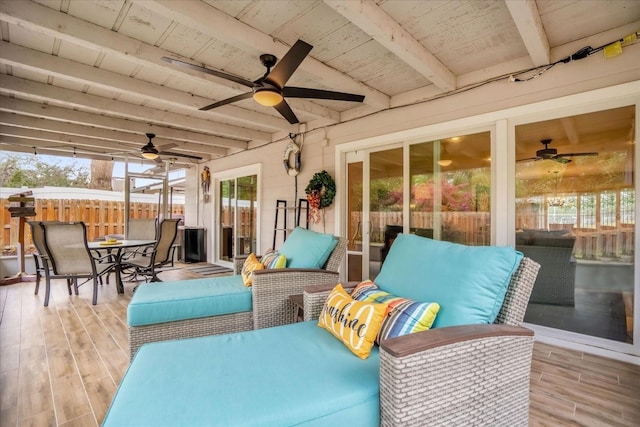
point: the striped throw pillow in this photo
(403, 316)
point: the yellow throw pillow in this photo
(354, 323)
(250, 265)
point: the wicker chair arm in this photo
(272, 288)
(414, 343)
(438, 377)
(316, 295)
(238, 262)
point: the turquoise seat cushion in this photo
(307, 249)
(296, 374)
(469, 282)
(160, 302)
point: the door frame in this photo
(235, 173)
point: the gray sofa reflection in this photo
(553, 250)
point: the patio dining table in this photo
(118, 247)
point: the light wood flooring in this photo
(60, 365)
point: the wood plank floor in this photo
(60, 365)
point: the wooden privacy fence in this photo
(473, 228)
(101, 217)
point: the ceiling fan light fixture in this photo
(149, 151)
(445, 162)
(267, 97)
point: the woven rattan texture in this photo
(483, 382)
(271, 305)
(213, 325)
(518, 293)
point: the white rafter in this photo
(45, 20)
(374, 21)
(527, 19)
(210, 143)
(212, 22)
(73, 99)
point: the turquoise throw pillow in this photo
(307, 249)
(469, 282)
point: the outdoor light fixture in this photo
(149, 151)
(445, 163)
(267, 96)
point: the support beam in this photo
(371, 19)
(45, 20)
(527, 19)
(216, 24)
(212, 144)
(73, 99)
(107, 135)
(33, 60)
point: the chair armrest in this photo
(316, 295)
(271, 290)
(238, 262)
(461, 375)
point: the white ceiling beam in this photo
(80, 142)
(21, 145)
(371, 19)
(41, 19)
(212, 144)
(106, 135)
(18, 56)
(220, 26)
(527, 19)
(72, 99)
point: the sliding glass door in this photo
(438, 189)
(575, 215)
(237, 219)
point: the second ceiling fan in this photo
(552, 154)
(270, 90)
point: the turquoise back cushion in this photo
(307, 249)
(469, 282)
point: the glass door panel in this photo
(385, 204)
(354, 221)
(238, 213)
(247, 214)
(575, 215)
(227, 219)
(450, 189)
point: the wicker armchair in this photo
(461, 375)
(272, 288)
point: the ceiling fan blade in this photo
(186, 156)
(220, 74)
(227, 101)
(288, 64)
(286, 112)
(577, 154)
(303, 92)
(165, 147)
(529, 159)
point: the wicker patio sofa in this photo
(171, 311)
(299, 374)
(553, 250)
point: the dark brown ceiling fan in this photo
(151, 152)
(552, 154)
(270, 90)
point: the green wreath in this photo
(321, 190)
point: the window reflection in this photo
(575, 215)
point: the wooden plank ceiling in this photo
(87, 76)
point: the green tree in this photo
(27, 170)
